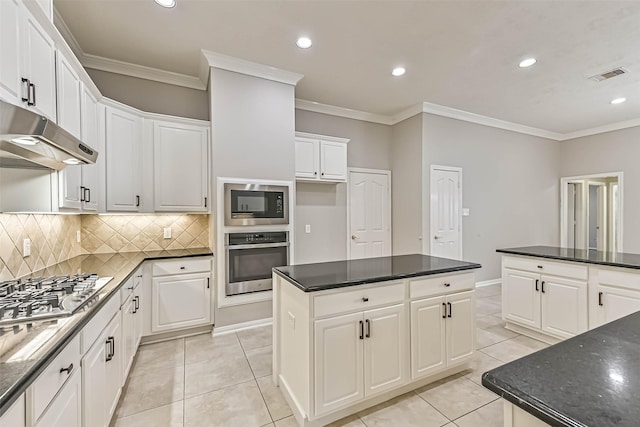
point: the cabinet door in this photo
(307, 158)
(90, 127)
(520, 299)
(66, 408)
(461, 328)
(180, 167)
(70, 187)
(38, 52)
(138, 315)
(428, 351)
(338, 369)
(16, 414)
(386, 351)
(68, 96)
(333, 161)
(123, 147)
(11, 87)
(180, 301)
(614, 303)
(564, 306)
(113, 367)
(128, 334)
(94, 378)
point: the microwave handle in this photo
(257, 246)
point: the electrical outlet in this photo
(26, 247)
(167, 232)
(78, 236)
(307, 228)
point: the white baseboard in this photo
(488, 283)
(229, 329)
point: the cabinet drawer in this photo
(126, 290)
(565, 269)
(620, 279)
(358, 299)
(161, 268)
(52, 379)
(94, 328)
(424, 287)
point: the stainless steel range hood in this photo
(28, 140)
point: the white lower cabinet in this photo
(66, 408)
(442, 332)
(614, 294)
(102, 376)
(359, 355)
(550, 304)
(131, 327)
(180, 294)
(15, 416)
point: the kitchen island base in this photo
(516, 417)
(348, 345)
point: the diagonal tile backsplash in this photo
(131, 233)
(53, 239)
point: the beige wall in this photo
(152, 96)
(406, 186)
(252, 137)
(617, 151)
(510, 184)
(324, 206)
(53, 240)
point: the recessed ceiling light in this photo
(166, 3)
(618, 100)
(304, 43)
(527, 62)
(398, 71)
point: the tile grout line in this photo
(255, 379)
(434, 408)
(478, 408)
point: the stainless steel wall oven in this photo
(250, 258)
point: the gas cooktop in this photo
(39, 298)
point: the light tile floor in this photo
(225, 381)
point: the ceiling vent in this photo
(609, 74)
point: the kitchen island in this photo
(348, 335)
(589, 380)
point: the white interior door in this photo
(446, 212)
(369, 213)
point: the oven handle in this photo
(257, 246)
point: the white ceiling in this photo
(459, 54)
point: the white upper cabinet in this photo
(10, 77)
(320, 158)
(123, 157)
(91, 134)
(38, 68)
(180, 154)
(47, 8)
(27, 69)
(68, 96)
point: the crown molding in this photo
(242, 66)
(322, 137)
(316, 107)
(466, 116)
(66, 33)
(601, 129)
(140, 71)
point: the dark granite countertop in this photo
(338, 274)
(613, 259)
(27, 348)
(588, 380)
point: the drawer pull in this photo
(446, 285)
(130, 288)
(361, 330)
(182, 267)
(540, 267)
(600, 303)
(537, 289)
(368, 335)
(542, 289)
(449, 304)
(444, 311)
(68, 369)
(365, 299)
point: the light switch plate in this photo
(78, 236)
(26, 248)
(167, 232)
(465, 211)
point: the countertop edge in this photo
(306, 289)
(540, 411)
(12, 394)
(567, 259)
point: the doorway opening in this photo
(591, 212)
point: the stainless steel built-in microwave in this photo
(255, 204)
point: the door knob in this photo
(354, 237)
